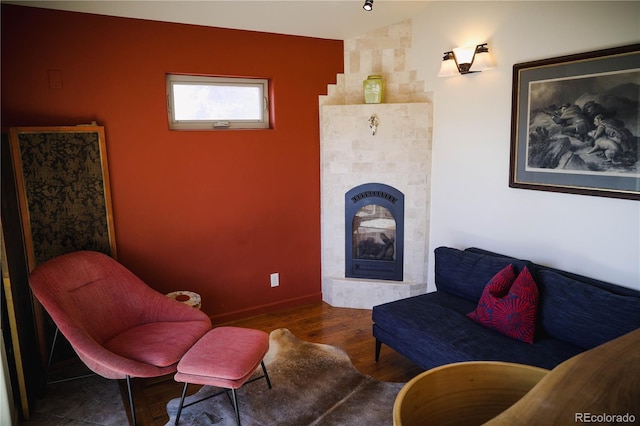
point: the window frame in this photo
(223, 124)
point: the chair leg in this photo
(184, 393)
(234, 399)
(378, 347)
(53, 346)
(131, 406)
(266, 375)
(49, 362)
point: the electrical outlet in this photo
(275, 279)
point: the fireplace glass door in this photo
(374, 234)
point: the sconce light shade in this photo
(449, 66)
(483, 59)
(466, 60)
(368, 5)
(464, 57)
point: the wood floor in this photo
(349, 329)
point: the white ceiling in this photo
(330, 19)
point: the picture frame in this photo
(575, 124)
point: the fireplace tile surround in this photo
(399, 155)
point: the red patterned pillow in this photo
(509, 305)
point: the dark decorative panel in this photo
(63, 186)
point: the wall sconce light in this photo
(368, 5)
(465, 60)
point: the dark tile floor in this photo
(87, 401)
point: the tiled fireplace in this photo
(397, 155)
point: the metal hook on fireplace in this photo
(373, 124)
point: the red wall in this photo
(209, 211)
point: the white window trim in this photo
(262, 84)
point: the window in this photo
(197, 102)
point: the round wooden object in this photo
(603, 381)
(465, 393)
(187, 297)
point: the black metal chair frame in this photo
(233, 398)
(49, 382)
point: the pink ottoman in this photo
(225, 357)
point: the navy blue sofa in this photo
(575, 313)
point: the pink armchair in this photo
(119, 327)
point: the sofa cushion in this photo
(508, 305)
(432, 330)
(465, 273)
(583, 314)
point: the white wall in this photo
(472, 204)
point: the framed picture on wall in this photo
(576, 124)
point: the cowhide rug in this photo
(313, 384)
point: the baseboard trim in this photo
(266, 308)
